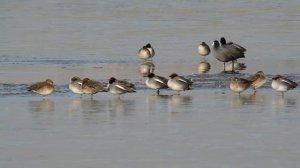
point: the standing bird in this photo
(146, 52)
(257, 80)
(235, 50)
(203, 49)
(221, 53)
(92, 87)
(76, 85)
(44, 88)
(179, 83)
(156, 82)
(239, 85)
(282, 84)
(119, 87)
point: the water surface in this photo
(208, 126)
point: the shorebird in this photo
(119, 87)
(179, 83)
(239, 85)
(76, 85)
(44, 88)
(203, 49)
(92, 87)
(257, 80)
(146, 52)
(156, 82)
(282, 84)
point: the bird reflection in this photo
(156, 103)
(281, 102)
(179, 100)
(93, 111)
(146, 68)
(92, 106)
(247, 99)
(179, 104)
(75, 105)
(122, 107)
(204, 67)
(44, 105)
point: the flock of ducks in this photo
(222, 51)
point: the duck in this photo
(43, 88)
(179, 83)
(92, 87)
(119, 87)
(151, 49)
(156, 82)
(75, 85)
(203, 49)
(258, 80)
(146, 52)
(282, 84)
(239, 85)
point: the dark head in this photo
(173, 75)
(148, 45)
(75, 78)
(151, 75)
(112, 80)
(276, 77)
(216, 44)
(222, 41)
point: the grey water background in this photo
(205, 127)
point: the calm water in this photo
(206, 127)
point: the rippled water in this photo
(206, 127)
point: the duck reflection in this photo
(146, 68)
(279, 103)
(93, 111)
(180, 100)
(156, 103)
(247, 99)
(75, 105)
(179, 104)
(204, 66)
(121, 107)
(92, 105)
(44, 105)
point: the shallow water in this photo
(208, 126)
